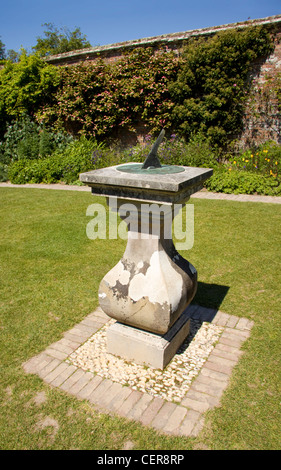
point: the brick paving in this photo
(183, 419)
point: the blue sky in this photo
(109, 21)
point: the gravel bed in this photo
(172, 383)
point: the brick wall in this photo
(262, 120)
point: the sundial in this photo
(148, 290)
(152, 163)
(149, 181)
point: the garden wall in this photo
(262, 119)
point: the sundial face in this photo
(152, 164)
(137, 168)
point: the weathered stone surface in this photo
(152, 284)
(173, 188)
(147, 348)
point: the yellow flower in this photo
(252, 156)
(246, 161)
(234, 162)
(265, 151)
(276, 163)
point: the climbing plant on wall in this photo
(204, 90)
(213, 82)
(95, 99)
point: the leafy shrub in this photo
(242, 182)
(3, 172)
(25, 86)
(175, 151)
(266, 159)
(63, 166)
(26, 139)
(85, 154)
(21, 135)
(196, 152)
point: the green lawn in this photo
(50, 272)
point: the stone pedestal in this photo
(150, 287)
(152, 284)
(146, 348)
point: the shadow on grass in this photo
(203, 308)
(210, 295)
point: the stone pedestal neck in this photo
(152, 284)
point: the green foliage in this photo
(24, 87)
(3, 172)
(65, 164)
(213, 81)
(57, 41)
(176, 151)
(100, 99)
(86, 154)
(62, 166)
(266, 159)
(204, 90)
(2, 50)
(21, 139)
(254, 171)
(25, 139)
(200, 97)
(242, 182)
(11, 55)
(196, 152)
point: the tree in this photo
(25, 86)
(57, 41)
(12, 55)
(2, 50)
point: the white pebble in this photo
(171, 384)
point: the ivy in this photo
(204, 90)
(98, 99)
(213, 81)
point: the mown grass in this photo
(50, 272)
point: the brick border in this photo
(185, 418)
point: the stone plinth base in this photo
(146, 348)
